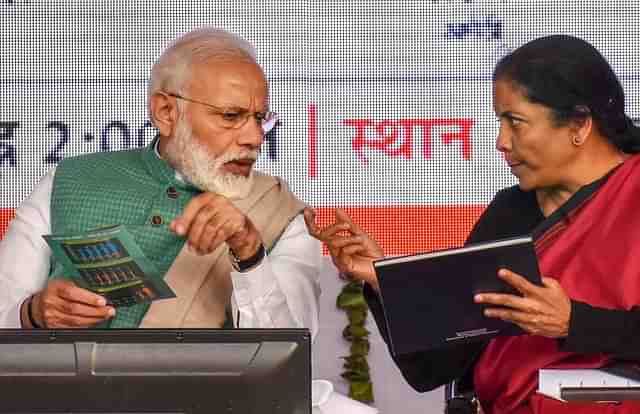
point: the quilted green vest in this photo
(132, 187)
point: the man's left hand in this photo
(542, 310)
(210, 220)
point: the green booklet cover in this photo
(109, 262)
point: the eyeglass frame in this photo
(268, 120)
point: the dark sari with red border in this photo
(591, 245)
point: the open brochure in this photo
(109, 262)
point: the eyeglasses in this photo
(235, 118)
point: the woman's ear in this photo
(164, 113)
(581, 129)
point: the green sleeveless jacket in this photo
(134, 188)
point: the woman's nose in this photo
(503, 141)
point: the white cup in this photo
(321, 390)
(325, 401)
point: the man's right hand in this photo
(62, 304)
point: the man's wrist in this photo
(27, 318)
(246, 251)
(247, 263)
(24, 319)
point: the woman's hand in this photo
(352, 250)
(542, 310)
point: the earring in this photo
(576, 141)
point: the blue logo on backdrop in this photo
(487, 28)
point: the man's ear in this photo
(164, 113)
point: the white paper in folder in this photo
(552, 381)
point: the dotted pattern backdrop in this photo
(386, 107)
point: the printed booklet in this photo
(109, 262)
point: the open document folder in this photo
(617, 382)
(428, 298)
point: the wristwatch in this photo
(249, 263)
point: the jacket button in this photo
(172, 192)
(156, 220)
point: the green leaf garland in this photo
(356, 368)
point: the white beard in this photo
(202, 170)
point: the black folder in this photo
(428, 298)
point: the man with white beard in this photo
(230, 242)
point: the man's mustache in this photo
(243, 155)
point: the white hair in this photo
(171, 71)
(204, 171)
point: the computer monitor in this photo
(186, 371)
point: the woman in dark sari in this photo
(565, 136)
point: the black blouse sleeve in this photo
(612, 331)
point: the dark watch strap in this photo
(244, 265)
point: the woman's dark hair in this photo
(569, 76)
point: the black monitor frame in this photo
(190, 371)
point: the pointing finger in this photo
(343, 217)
